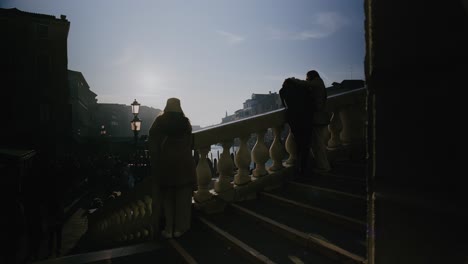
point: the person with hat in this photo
(172, 169)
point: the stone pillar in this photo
(353, 135)
(353, 119)
(260, 155)
(335, 128)
(291, 149)
(242, 162)
(225, 170)
(277, 150)
(203, 177)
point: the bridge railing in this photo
(347, 127)
(128, 218)
(124, 219)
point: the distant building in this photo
(84, 104)
(33, 63)
(116, 119)
(258, 104)
(147, 115)
(345, 85)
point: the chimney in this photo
(63, 17)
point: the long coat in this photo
(171, 159)
(318, 94)
(170, 145)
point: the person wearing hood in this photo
(172, 169)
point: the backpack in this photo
(296, 97)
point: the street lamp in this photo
(135, 107)
(136, 126)
(103, 130)
(136, 122)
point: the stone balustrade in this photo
(124, 219)
(348, 123)
(128, 218)
(347, 127)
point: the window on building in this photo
(42, 31)
(44, 112)
(3, 25)
(43, 63)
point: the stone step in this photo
(202, 245)
(328, 237)
(338, 202)
(274, 246)
(334, 182)
(316, 211)
(233, 242)
(145, 253)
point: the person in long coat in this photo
(172, 168)
(319, 121)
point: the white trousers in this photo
(177, 206)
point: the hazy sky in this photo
(212, 54)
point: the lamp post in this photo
(136, 122)
(103, 131)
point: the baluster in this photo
(291, 148)
(277, 150)
(142, 219)
(335, 128)
(242, 162)
(128, 222)
(203, 177)
(136, 223)
(141, 209)
(225, 169)
(122, 224)
(149, 203)
(260, 155)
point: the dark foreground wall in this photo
(416, 66)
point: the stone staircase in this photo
(317, 220)
(321, 219)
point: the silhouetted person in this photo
(305, 103)
(173, 168)
(295, 96)
(320, 120)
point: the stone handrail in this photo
(230, 130)
(128, 218)
(123, 219)
(347, 125)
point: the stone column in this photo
(260, 155)
(277, 150)
(335, 128)
(242, 162)
(291, 149)
(353, 119)
(203, 177)
(225, 170)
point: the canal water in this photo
(217, 150)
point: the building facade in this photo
(84, 104)
(116, 119)
(35, 81)
(257, 104)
